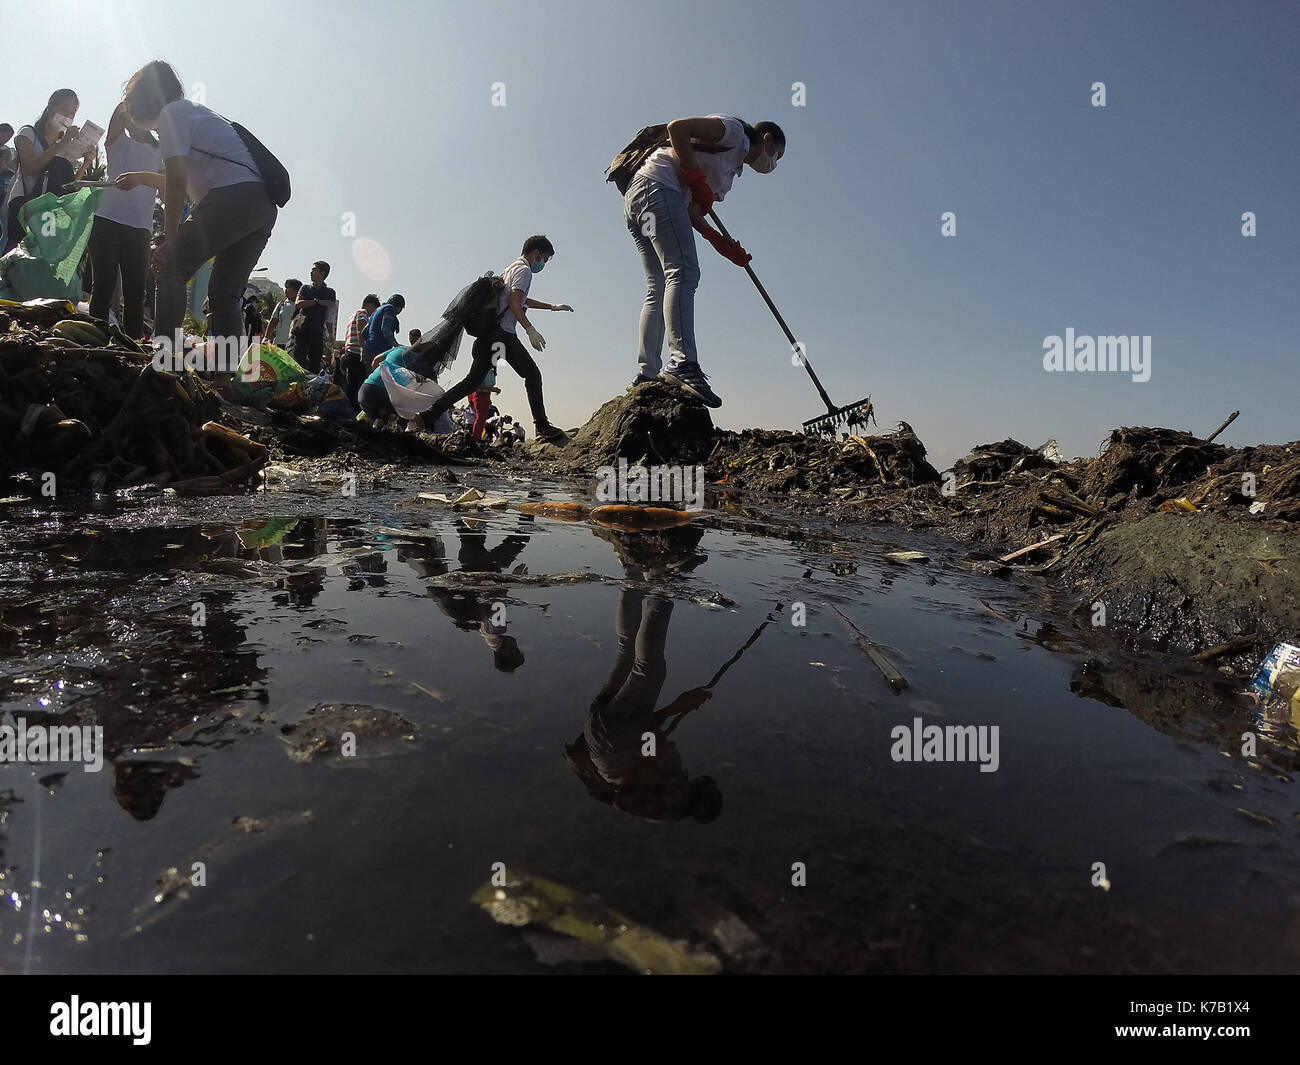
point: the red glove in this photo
(728, 249)
(700, 191)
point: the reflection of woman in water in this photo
(624, 756)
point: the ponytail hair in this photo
(59, 96)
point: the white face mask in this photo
(60, 122)
(765, 163)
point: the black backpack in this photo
(649, 139)
(475, 306)
(473, 311)
(274, 176)
(623, 167)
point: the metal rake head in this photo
(850, 416)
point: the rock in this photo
(344, 731)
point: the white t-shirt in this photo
(20, 183)
(134, 208)
(281, 320)
(720, 168)
(184, 127)
(516, 276)
(23, 183)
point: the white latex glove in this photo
(562, 307)
(536, 339)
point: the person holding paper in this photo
(47, 150)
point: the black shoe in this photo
(639, 379)
(693, 379)
(550, 434)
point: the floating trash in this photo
(531, 900)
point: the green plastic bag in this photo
(276, 371)
(58, 229)
(275, 366)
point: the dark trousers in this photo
(57, 173)
(354, 374)
(114, 247)
(230, 225)
(308, 350)
(485, 348)
(373, 399)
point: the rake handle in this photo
(794, 344)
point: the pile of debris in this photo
(658, 424)
(1140, 471)
(852, 470)
(1187, 544)
(82, 402)
(989, 464)
(655, 423)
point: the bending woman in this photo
(233, 212)
(669, 196)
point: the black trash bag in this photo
(435, 350)
(474, 310)
(475, 306)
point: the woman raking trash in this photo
(670, 178)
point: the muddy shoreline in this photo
(1166, 542)
(914, 891)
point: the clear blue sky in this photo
(1123, 220)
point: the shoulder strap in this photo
(501, 317)
(214, 155)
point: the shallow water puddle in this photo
(674, 723)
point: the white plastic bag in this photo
(408, 402)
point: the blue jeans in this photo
(672, 272)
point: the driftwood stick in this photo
(1067, 501)
(896, 679)
(1032, 547)
(1230, 419)
(1237, 643)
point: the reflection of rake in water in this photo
(851, 414)
(771, 617)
